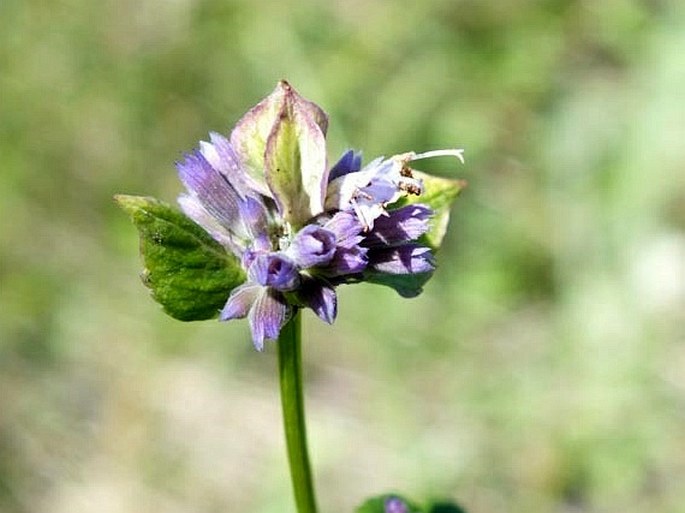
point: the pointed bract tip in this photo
(131, 204)
(122, 199)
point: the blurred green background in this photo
(543, 369)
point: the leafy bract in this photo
(251, 135)
(251, 132)
(406, 285)
(188, 272)
(295, 163)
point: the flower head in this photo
(298, 228)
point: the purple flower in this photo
(382, 182)
(274, 270)
(402, 259)
(350, 162)
(298, 228)
(395, 505)
(265, 307)
(399, 226)
(261, 298)
(313, 245)
(320, 296)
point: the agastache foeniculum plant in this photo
(267, 228)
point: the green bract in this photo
(406, 285)
(282, 144)
(295, 163)
(188, 272)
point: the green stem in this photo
(292, 400)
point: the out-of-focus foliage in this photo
(396, 503)
(541, 370)
(387, 502)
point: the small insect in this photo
(410, 185)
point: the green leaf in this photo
(406, 285)
(188, 272)
(377, 504)
(439, 194)
(295, 162)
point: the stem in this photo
(292, 400)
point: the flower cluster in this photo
(298, 227)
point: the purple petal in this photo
(367, 191)
(368, 211)
(347, 261)
(253, 214)
(406, 259)
(346, 227)
(312, 245)
(192, 207)
(262, 244)
(378, 191)
(222, 157)
(350, 162)
(240, 301)
(399, 226)
(369, 202)
(267, 316)
(274, 270)
(341, 190)
(321, 298)
(212, 189)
